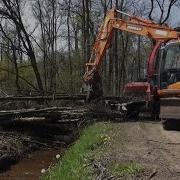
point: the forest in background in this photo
(45, 44)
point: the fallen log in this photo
(42, 98)
(104, 115)
(30, 119)
(8, 116)
(62, 97)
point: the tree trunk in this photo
(69, 44)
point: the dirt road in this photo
(146, 143)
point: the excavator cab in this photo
(170, 66)
(169, 85)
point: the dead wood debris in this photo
(153, 174)
(25, 130)
(101, 171)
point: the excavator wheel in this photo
(170, 113)
(155, 110)
(171, 124)
(166, 125)
(133, 110)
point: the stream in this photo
(30, 168)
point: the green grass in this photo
(73, 165)
(125, 169)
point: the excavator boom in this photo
(131, 24)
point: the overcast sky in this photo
(175, 16)
(173, 21)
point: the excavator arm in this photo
(131, 24)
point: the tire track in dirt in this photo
(164, 149)
(147, 144)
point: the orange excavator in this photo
(160, 92)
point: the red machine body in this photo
(145, 88)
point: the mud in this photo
(31, 166)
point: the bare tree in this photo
(48, 16)
(14, 55)
(164, 7)
(11, 10)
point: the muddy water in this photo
(30, 168)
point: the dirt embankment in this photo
(147, 144)
(24, 131)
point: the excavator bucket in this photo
(95, 86)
